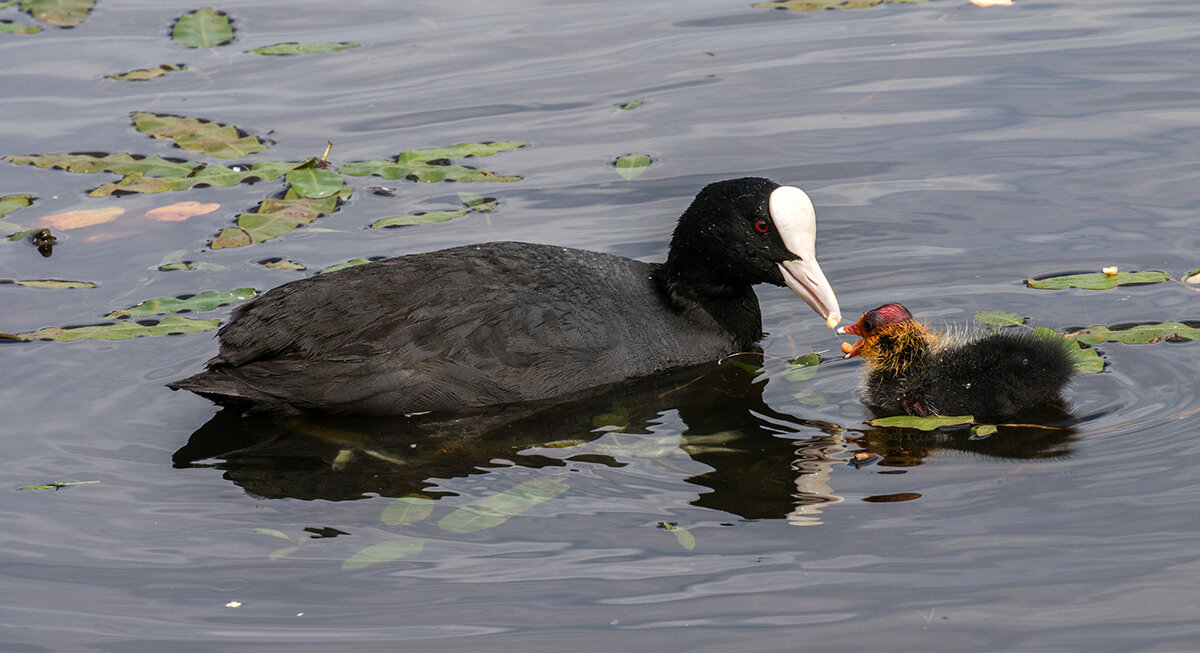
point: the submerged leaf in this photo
(407, 510)
(49, 283)
(802, 368)
(420, 218)
(144, 74)
(63, 13)
(815, 5)
(78, 219)
(1098, 280)
(999, 318)
(205, 301)
(382, 552)
(921, 423)
(122, 330)
(291, 48)
(212, 138)
(10, 203)
(181, 211)
(495, 510)
(273, 533)
(632, 165)
(202, 28)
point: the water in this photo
(951, 152)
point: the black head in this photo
(741, 232)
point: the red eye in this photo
(762, 227)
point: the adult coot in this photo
(503, 322)
(912, 370)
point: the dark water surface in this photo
(951, 152)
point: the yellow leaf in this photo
(180, 211)
(77, 219)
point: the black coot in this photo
(912, 370)
(503, 322)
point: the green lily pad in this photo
(293, 48)
(63, 13)
(419, 218)
(275, 217)
(49, 283)
(315, 182)
(1140, 334)
(999, 318)
(205, 301)
(1099, 280)
(492, 511)
(212, 138)
(143, 74)
(124, 330)
(432, 165)
(202, 28)
(407, 510)
(10, 203)
(632, 165)
(1087, 360)
(348, 264)
(802, 368)
(207, 175)
(382, 552)
(9, 27)
(120, 163)
(815, 5)
(926, 423)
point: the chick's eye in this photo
(762, 227)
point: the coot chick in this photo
(910, 370)
(503, 322)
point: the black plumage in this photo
(503, 322)
(910, 370)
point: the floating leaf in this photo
(495, 510)
(419, 218)
(273, 218)
(174, 261)
(273, 533)
(56, 485)
(477, 202)
(342, 266)
(685, 538)
(169, 325)
(202, 28)
(282, 264)
(630, 106)
(382, 552)
(291, 48)
(9, 27)
(63, 13)
(632, 165)
(205, 301)
(315, 182)
(815, 5)
(144, 74)
(1087, 361)
(432, 165)
(407, 510)
(981, 431)
(210, 175)
(49, 283)
(999, 318)
(802, 368)
(212, 138)
(925, 423)
(120, 163)
(181, 211)
(809, 399)
(78, 219)
(1098, 280)
(10, 203)
(1140, 334)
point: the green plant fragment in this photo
(280, 553)
(273, 533)
(632, 165)
(342, 266)
(999, 318)
(477, 202)
(407, 510)
(63, 13)
(124, 330)
(921, 423)
(56, 485)
(205, 301)
(9, 27)
(981, 431)
(202, 28)
(382, 552)
(120, 163)
(1140, 334)
(492, 511)
(1087, 360)
(682, 535)
(293, 48)
(315, 183)
(816, 5)
(420, 218)
(802, 368)
(212, 138)
(144, 74)
(283, 264)
(206, 175)
(49, 283)
(1098, 280)
(432, 165)
(630, 106)
(10, 203)
(273, 218)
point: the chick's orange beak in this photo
(848, 349)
